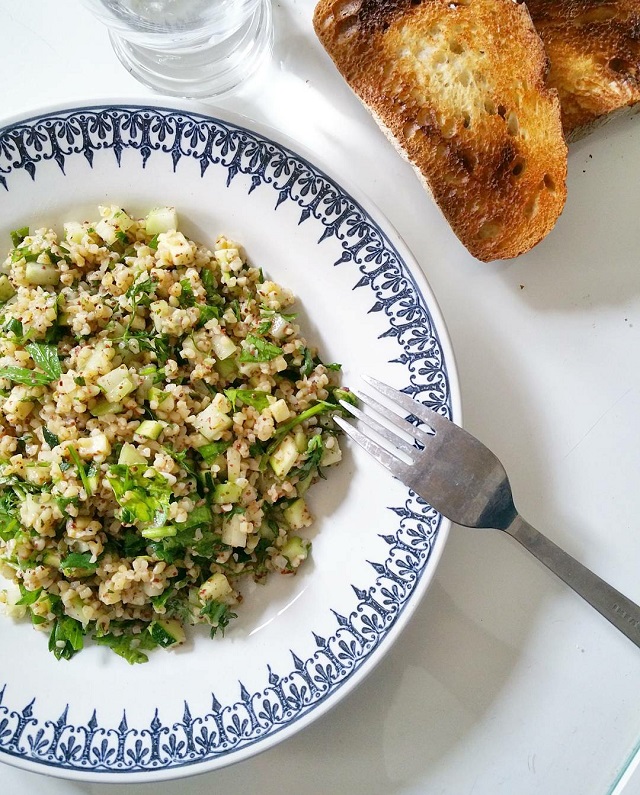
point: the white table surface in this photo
(504, 681)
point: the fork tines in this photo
(403, 453)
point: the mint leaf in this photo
(21, 375)
(46, 357)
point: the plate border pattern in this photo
(287, 696)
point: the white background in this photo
(504, 681)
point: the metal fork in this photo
(464, 481)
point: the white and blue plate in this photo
(300, 643)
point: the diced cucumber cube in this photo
(279, 410)
(116, 384)
(151, 429)
(212, 423)
(161, 219)
(226, 368)
(216, 587)
(6, 289)
(296, 550)
(42, 275)
(331, 455)
(97, 446)
(223, 346)
(74, 232)
(167, 632)
(158, 395)
(284, 456)
(52, 559)
(297, 515)
(130, 456)
(233, 533)
(103, 406)
(226, 492)
(114, 220)
(301, 439)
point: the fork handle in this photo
(614, 606)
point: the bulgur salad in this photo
(162, 419)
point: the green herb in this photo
(257, 398)
(211, 288)
(207, 313)
(79, 561)
(18, 235)
(218, 614)
(66, 637)
(144, 500)
(187, 298)
(50, 438)
(333, 366)
(138, 291)
(128, 646)
(153, 243)
(9, 526)
(81, 470)
(212, 450)
(346, 395)
(269, 315)
(321, 407)
(182, 458)
(80, 381)
(264, 351)
(150, 341)
(140, 295)
(28, 597)
(133, 544)
(46, 357)
(315, 449)
(13, 326)
(308, 364)
(21, 375)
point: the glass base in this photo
(205, 70)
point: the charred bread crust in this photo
(594, 50)
(459, 88)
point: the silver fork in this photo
(464, 481)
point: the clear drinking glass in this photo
(188, 48)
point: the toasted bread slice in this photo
(594, 50)
(459, 88)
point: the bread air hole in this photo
(549, 183)
(619, 65)
(456, 47)
(518, 166)
(469, 161)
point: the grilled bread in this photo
(459, 88)
(594, 50)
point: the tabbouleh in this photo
(162, 419)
